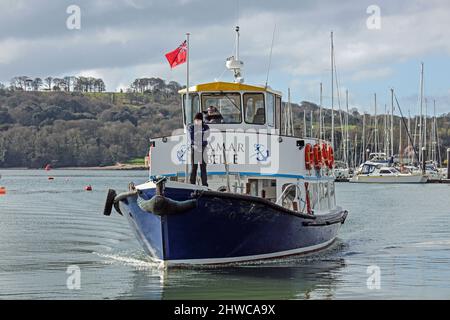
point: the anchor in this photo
(260, 156)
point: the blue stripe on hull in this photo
(223, 228)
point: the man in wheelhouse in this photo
(198, 133)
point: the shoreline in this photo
(114, 167)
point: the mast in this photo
(425, 126)
(415, 134)
(346, 145)
(311, 121)
(234, 64)
(400, 152)
(376, 126)
(437, 140)
(392, 122)
(332, 91)
(188, 54)
(363, 157)
(320, 113)
(421, 112)
(409, 130)
(386, 140)
(433, 133)
(304, 122)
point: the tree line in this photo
(68, 84)
(89, 84)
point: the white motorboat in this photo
(371, 172)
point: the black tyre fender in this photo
(109, 202)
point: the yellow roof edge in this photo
(227, 86)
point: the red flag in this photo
(177, 56)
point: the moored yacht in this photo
(373, 172)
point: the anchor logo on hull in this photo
(261, 153)
(181, 153)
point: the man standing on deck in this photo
(198, 133)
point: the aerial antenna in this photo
(234, 64)
(270, 55)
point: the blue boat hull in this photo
(226, 229)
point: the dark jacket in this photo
(204, 134)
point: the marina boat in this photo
(373, 172)
(342, 171)
(269, 192)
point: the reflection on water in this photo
(290, 278)
(48, 225)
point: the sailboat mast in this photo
(363, 157)
(332, 91)
(304, 122)
(421, 112)
(386, 141)
(346, 131)
(400, 151)
(392, 122)
(320, 113)
(376, 126)
(425, 126)
(409, 129)
(434, 143)
(437, 141)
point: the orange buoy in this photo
(309, 160)
(88, 188)
(318, 161)
(2, 190)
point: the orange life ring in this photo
(330, 157)
(318, 161)
(325, 154)
(309, 160)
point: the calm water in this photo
(46, 226)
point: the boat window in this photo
(254, 108)
(367, 169)
(278, 112)
(227, 107)
(289, 196)
(193, 108)
(385, 172)
(314, 195)
(324, 196)
(332, 195)
(270, 109)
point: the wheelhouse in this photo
(239, 105)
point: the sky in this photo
(120, 40)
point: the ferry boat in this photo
(270, 193)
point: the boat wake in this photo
(137, 260)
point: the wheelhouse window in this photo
(254, 110)
(278, 113)
(192, 109)
(270, 109)
(226, 107)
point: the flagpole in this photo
(186, 179)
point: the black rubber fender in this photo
(161, 205)
(109, 202)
